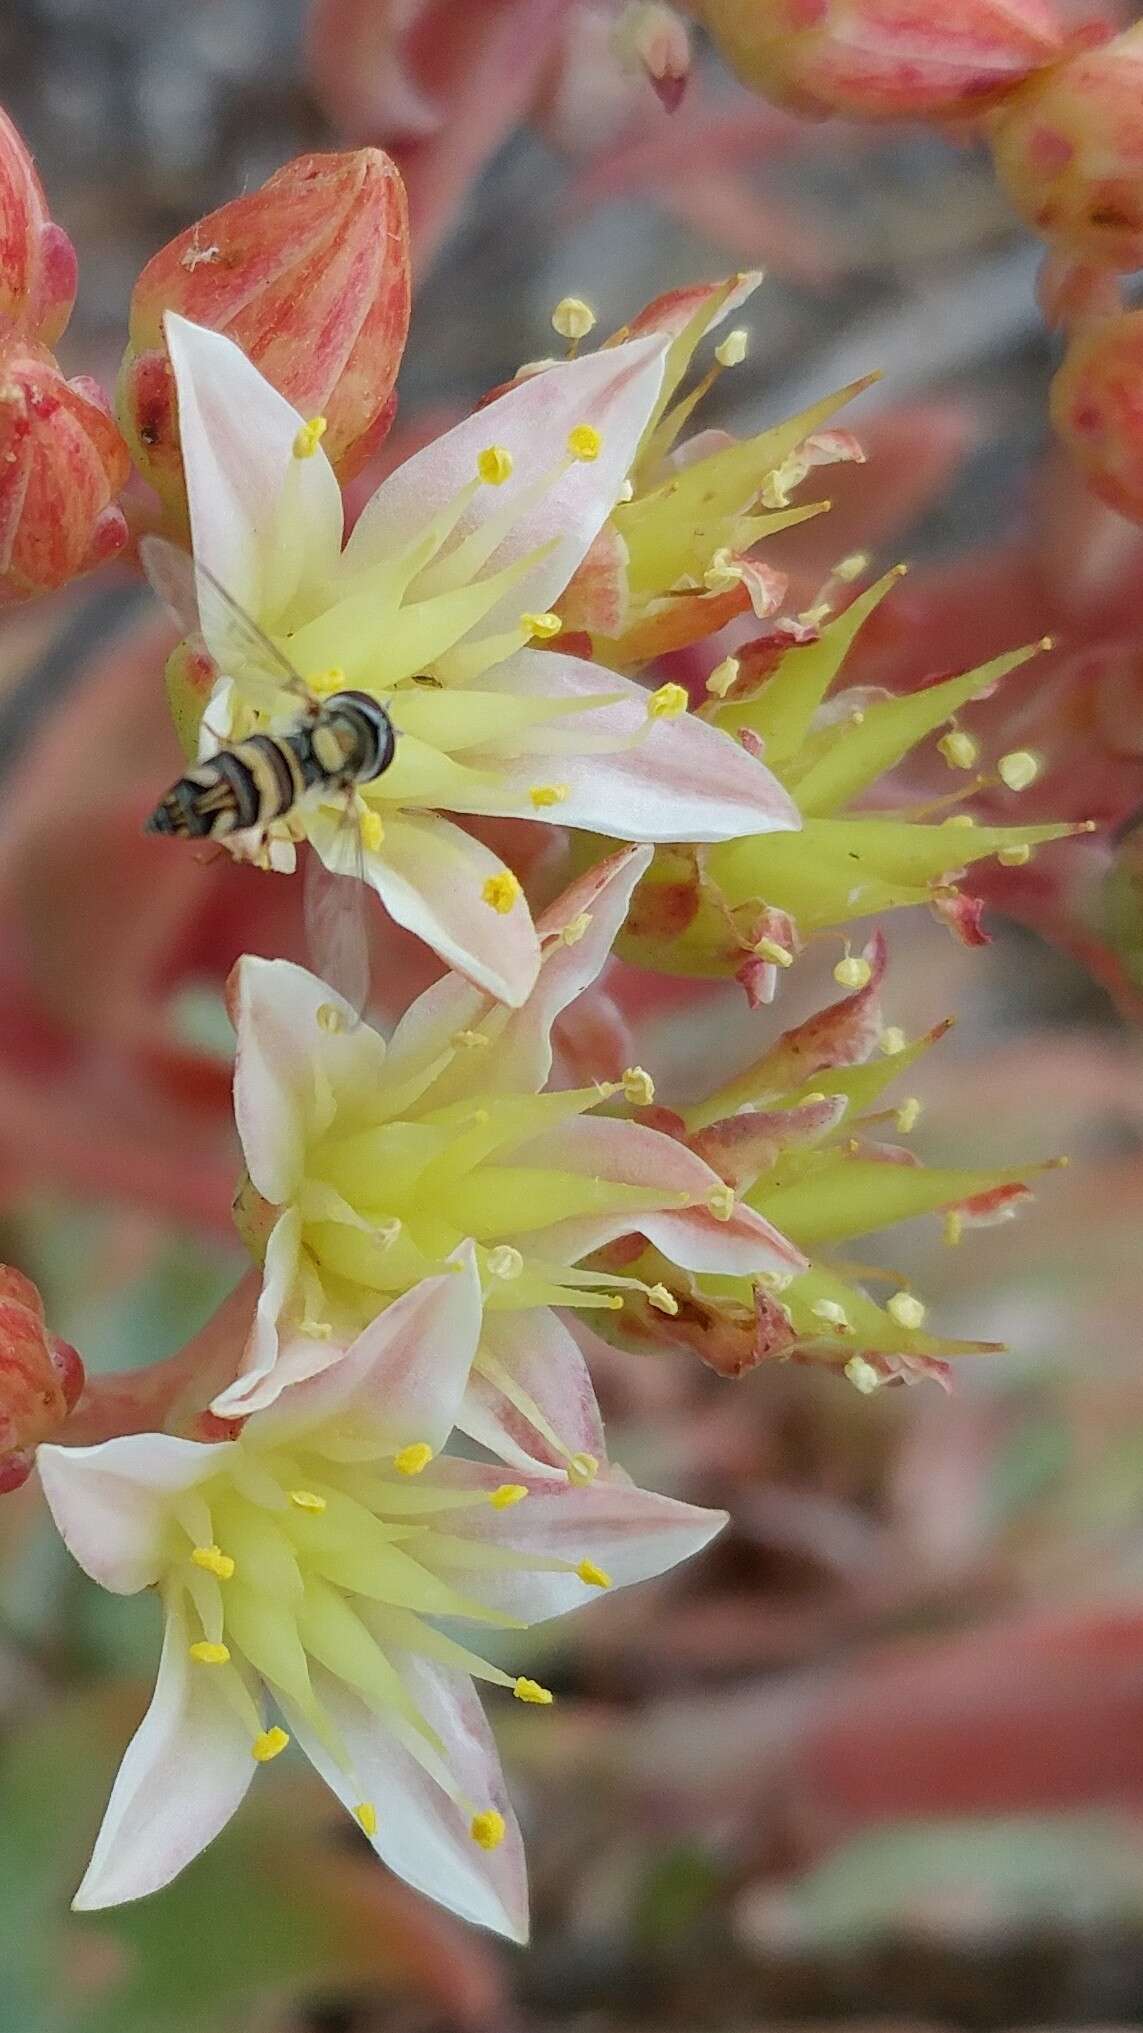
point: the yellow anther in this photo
(829, 1311)
(270, 1744)
(722, 573)
(504, 1261)
(732, 351)
(585, 442)
(372, 830)
(662, 1300)
(906, 1310)
(309, 437)
(332, 680)
(954, 1228)
(366, 1814)
(638, 1087)
(852, 567)
(506, 1494)
(960, 751)
(667, 703)
(541, 627)
(530, 1690)
(494, 465)
(471, 1040)
(908, 1115)
(488, 1829)
(582, 1470)
(501, 891)
(778, 955)
(572, 318)
(414, 1459)
(593, 1576)
(575, 929)
(964, 820)
(862, 1375)
(543, 795)
(1014, 857)
(329, 1019)
(316, 1330)
(720, 1200)
(307, 1500)
(892, 1041)
(853, 972)
(724, 677)
(207, 1654)
(1018, 769)
(214, 1560)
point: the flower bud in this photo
(883, 59)
(1069, 152)
(37, 260)
(1097, 408)
(41, 1378)
(62, 462)
(310, 276)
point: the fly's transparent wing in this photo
(202, 606)
(336, 898)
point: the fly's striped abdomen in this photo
(249, 784)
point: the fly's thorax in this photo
(355, 731)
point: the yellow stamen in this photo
(307, 1500)
(507, 1494)
(960, 751)
(542, 795)
(366, 1814)
(572, 318)
(1014, 857)
(329, 1019)
(732, 351)
(852, 567)
(720, 1200)
(309, 437)
(853, 972)
(575, 929)
(662, 1300)
(582, 1470)
(504, 1261)
(270, 1744)
(667, 703)
(332, 680)
(585, 442)
(541, 627)
(722, 573)
(214, 1560)
(724, 677)
(501, 891)
(593, 1576)
(862, 1375)
(206, 1654)
(964, 820)
(1018, 769)
(494, 465)
(954, 1228)
(638, 1087)
(829, 1311)
(892, 1041)
(530, 1690)
(468, 1039)
(906, 1310)
(372, 830)
(769, 949)
(488, 1829)
(316, 1330)
(413, 1460)
(908, 1115)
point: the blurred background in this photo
(879, 1756)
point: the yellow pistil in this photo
(307, 1500)
(906, 1310)
(732, 351)
(530, 1690)
(829, 1311)
(667, 703)
(572, 318)
(638, 1087)
(494, 465)
(206, 1654)
(543, 795)
(501, 891)
(214, 1561)
(504, 1262)
(414, 1459)
(488, 1829)
(372, 830)
(724, 677)
(575, 929)
(506, 1494)
(366, 1814)
(853, 972)
(1014, 857)
(582, 1470)
(309, 437)
(908, 1115)
(593, 1576)
(778, 955)
(662, 1300)
(892, 1041)
(1018, 769)
(329, 1019)
(541, 627)
(862, 1375)
(960, 751)
(270, 1744)
(585, 442)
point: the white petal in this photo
(184, 1773)
(237, 436)
(681, 779)
(422, 1834)
(430, 876)
(111, 1502)
(546, 1364)
(404, 1378)
(275, 1355)
(614, 390)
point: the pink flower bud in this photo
(1097, 408)
(1069, 152)
(310, 276)
(37, 260)
(41, 1378)
(62, 462)
(884, 59)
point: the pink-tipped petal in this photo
(431, 878)
(111, 1502)
(275, 1354)
(535, 1353)
(184, 1773)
